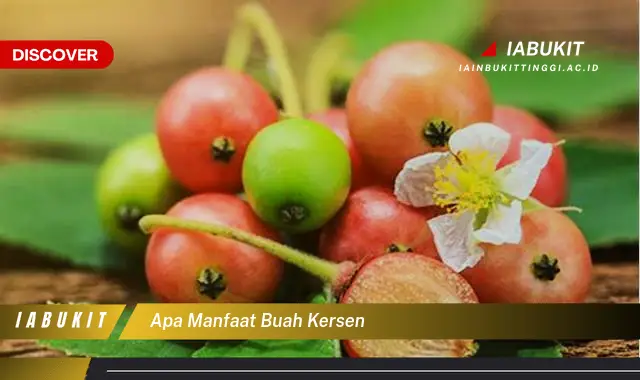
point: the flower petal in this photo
(413, 184)
(502, 225)
(453, 238)
(481, 137)
(535, 152)
(520, 178)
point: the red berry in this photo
(408, 99)
(552, 264)
(187, 267)
(408, 278)
(336, 119)
(372, 222)
(204, 124)
(402, 278)
(551, 188)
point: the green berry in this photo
(134, 181)
(296, 175)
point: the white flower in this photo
(484, 204)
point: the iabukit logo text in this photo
(538, 48)
(534, 49)
(544, 48)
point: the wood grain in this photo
(612, 282)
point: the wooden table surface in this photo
(28, 279)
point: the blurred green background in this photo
(156, 41)
(57, 126)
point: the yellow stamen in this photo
(466, 182)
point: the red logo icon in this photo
(491, 51)
(78, 55)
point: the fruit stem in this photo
(327, 271)
(347, 70)
(322, 70)
(250, 17)
(531, 204)
(568, 208)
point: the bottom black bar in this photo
(352, 369)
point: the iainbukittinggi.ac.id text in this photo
(530, 67)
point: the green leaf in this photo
(378, 23)
(603, 182)
(519, 348)
(326, 296)
(268, 349)
(49, 207)
(93, 124)
(115, 348)
(275, 348)
(566, 95)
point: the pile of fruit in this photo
(226, 174)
